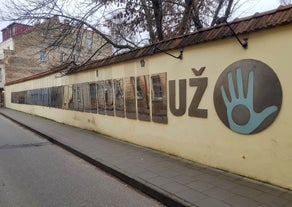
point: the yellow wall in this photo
(265, 156)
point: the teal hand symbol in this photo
(255, 119)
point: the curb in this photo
(164, 198)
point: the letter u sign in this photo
(193, 110)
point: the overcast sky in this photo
(255, 6)
(249, 9)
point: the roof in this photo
(259, 21)
(18, 29)
(15, 23)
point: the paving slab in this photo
(170, 180)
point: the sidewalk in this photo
(172, 181)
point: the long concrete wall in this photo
(227, 107)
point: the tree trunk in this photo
(228, 9)
(157, 6)
(148, 21)
(195, 15)
(186, 16)
(220, 4)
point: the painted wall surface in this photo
(201, 137)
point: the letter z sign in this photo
(193, 110)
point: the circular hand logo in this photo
(248, 96)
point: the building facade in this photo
(29, 50)
(6, 47)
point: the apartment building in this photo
(28, 50)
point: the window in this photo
(0, 75)
(42, 56)
(78, 41)
(62, 57)
(89, 43)
(156, 88)
(78, 93)
(13, 30)
(139, 90)
(92, 90)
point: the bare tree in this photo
(124, 25)
(285, 2)
(164, 19)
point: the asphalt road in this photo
(36, 173)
